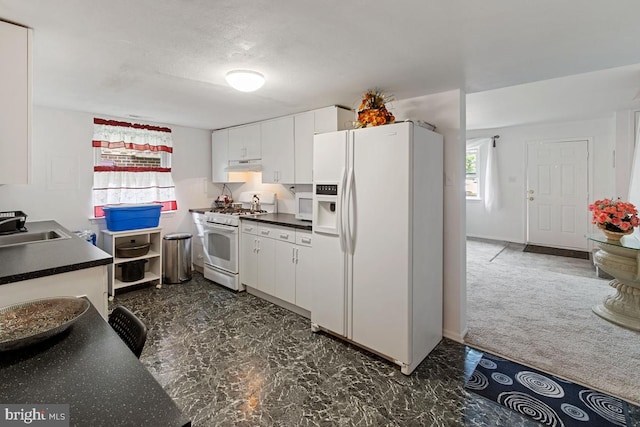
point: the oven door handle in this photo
(223, 228)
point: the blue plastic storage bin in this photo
(132, 217)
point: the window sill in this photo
(474, 198)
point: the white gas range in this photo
(221, 239)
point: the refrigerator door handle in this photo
(341, 229)
(348, 198)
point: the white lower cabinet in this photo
(286, 271)
(266, 264)
(197, 248)
(303, 269)
(197, 254)
(276, 260)
(249, 255)
(257, 258)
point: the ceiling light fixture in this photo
(245, 80)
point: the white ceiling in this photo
(165, 61)
(584, 96)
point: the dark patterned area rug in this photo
(549, 400)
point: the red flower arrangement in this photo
(614, 215)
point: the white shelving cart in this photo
(153, 268)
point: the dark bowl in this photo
(132, 249)
(30, 322)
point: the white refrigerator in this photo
(377, 239)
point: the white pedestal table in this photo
(621, 259)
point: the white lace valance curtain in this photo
(115, 184)
(634, 181)
(490, 177)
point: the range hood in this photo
(244, 166)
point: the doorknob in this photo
(531, 199)
(530, 191)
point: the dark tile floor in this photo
(232, 359)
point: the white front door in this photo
(557, 194)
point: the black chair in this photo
(131, 329)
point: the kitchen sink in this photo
(32, 237)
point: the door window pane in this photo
(472, 184)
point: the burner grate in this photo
(236, 211)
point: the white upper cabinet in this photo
(15, 104)
(328, 119)
(277, 151)
(220, 158)
(304, 128)
(219, 155)
(331, 119)
(282, 146)
(244, 143)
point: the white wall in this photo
(446, 111)
(62, 177)
(509, 222)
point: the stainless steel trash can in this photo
(176, 258)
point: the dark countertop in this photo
(91, 369)
(200, 210)
(33, 260)
(285, 219)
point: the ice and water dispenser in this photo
(326, 209)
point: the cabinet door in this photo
(15, 104)
(286, 271)
(266, 265)
(303, 277)
(248, 260)
(244, 142)
(277, 150)
(219, 155)
(197, 244)
(303, 147)
(197, 254)
(331, 119)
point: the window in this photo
(132, 165)
(472, 185)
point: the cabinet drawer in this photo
(285, 234)
(249, 227)
(266, 231)
(303, 238)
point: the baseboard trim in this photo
(494, 238)
(277, 301)
(454, 335)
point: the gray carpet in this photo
(536, 309)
